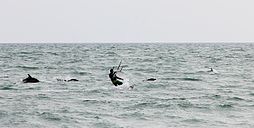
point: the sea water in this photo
(184, 94)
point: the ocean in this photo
(185, 94)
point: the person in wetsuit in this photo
(113, 77)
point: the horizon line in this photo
(130, 42)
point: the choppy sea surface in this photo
(185, 93)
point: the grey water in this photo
(185, 93)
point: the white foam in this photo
(126, 81)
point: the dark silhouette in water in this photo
(67, 80)
(211, 70)
(71, 80)
(30, 79)
(151, 79)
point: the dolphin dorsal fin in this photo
(29, 75)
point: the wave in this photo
(93, 101)
(181, 98)
(24, 52)
(50, 67)
(3, 114)
(53, 53)
(27, 67)
(190, 79)
(138, 115)
(82, 73)
(7, 88)
(194, 120)
(5, 76)
(185, 104)
(5, 57)
(142, 105)
(163, 105)
(236, 98)
(184, 79)
(50, 116)
(42, 96)
(225, 106)
(111, 53)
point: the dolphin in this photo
(67, 80)
(151, 79)
(30, 79)
(72, 80)
(213, 71)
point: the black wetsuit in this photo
(113, 77)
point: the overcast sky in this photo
(126, 21)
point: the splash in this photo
(126, 81)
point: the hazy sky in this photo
(126, 20)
